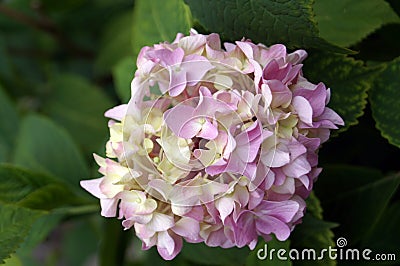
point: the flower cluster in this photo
(216, 145)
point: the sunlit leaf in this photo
(43, 146)
(79, 107)
(115, 43)
(343, 21)
(288, 22)
(15, 223)
(158, 21)
(123, 74)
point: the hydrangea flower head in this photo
(216, 145)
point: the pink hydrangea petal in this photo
(280, 176)
(224, 206)
(247, 49)
(118, 112)
(208, 105)
(300, 166)
(297, 56)
(191, 128)
(303, 109)
(276, 157)
(331, 115)
(177, 117)
(177, 83)
(292, 73)
(255, 198)
(273, 52)
(273, 71)
(281, 95)
(206, 157)
(93, 187)
(315, 97)
(208, 130)
(196, 212)
(192, 44)
(216, 168)
(108, 207)
(305, 180)
(287, 186)
(141, 219)
(168, 57)
(196, 67)
(160, 222)
(284, 210)
(187, 227)
(241, 195)
(168, 246)
(268, 224)
(218, 238)
(180, 210)
(245, 231)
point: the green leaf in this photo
(115, 42)
(123, 73)
(48, 197)
(266, 21)
(43, 146)
(15, 223)
(32, 190)
(254, 260)
(348, 79)
(158, 21)
(344, 178)
(36, 191)
(153, 22)
(384, 98)
(40, 230)
(316, 234)
(8, 126)
(13, 261)
(351, 204)
(343, 22)
(386, 236)
(47, 223)
(79, 107)
(313, 232)
(202, 254)
(314, 206)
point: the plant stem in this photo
(113, 244)
(85, 209)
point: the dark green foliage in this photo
(64, 63)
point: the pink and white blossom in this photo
(218, 144)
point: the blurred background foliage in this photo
(64, 63)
